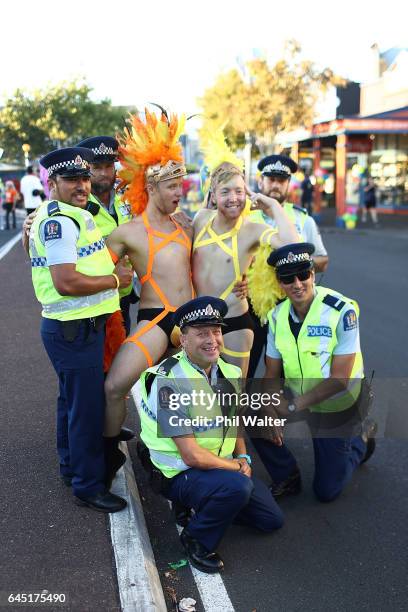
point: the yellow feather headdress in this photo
(215, 148)
(149, 150)
(217, 153)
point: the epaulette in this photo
(93, 208)
(167, 365)
(334, 302)
(53, 208)
(300, 209)
(164, 369)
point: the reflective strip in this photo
(79, 302)
(324, 342)
(38, 262)
(91, 248)
(168, 460)
(147, 410)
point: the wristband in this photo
(116, 277)
(247, 457)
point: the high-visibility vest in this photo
(104, 219)
(296, 214)
(93, 260)
(307, 359)
(107, 223)
(214, 437)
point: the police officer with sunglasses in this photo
(313, 339)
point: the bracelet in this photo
(246, 457)
(116, 277)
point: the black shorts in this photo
(243, 321)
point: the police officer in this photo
(276, 172)
(313, 335)
(202, 463)
(77, 285)
(105, 204)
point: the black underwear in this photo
(243, 321)
(166, 323)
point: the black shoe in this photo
(369, 430)
(67, 480)
(126, 434)
(291, 486)
(114, 459)
(182, 514)
(199, 557)
(102, 502)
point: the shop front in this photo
(342, 153)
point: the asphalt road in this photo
(348, 555)
(46, 542)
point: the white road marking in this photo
(139, 583)
(212, 590)
(9, 245)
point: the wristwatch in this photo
(247, 457)
(292, 407)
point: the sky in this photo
(171, 51)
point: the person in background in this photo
(9, 205)
(31, 189)
(307, 193)
(370, 202)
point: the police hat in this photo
(277, 165)
(292, 258)
(68, 162)
(204, 310)
(104, 148)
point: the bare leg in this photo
(374, 217)
(240, 342)
(364, 215)
(126, 368)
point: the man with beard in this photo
(276, 171)
(105, 204)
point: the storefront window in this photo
(388, 165)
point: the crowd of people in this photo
(197, 329)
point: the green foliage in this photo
(57, 116)
(267, 99)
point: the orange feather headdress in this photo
(149, 151)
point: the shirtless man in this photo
(159, 251)
(223, 247)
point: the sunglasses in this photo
(288, 279)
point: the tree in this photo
(60, 115)
(267, 99)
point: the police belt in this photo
(70, 329)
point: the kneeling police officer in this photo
(202, 464)
(314, 338)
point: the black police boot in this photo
(182, 514)
(126, 434)
(102, 502)
(290, 486)
(114, 459)
(369, 430)
(199, 557)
